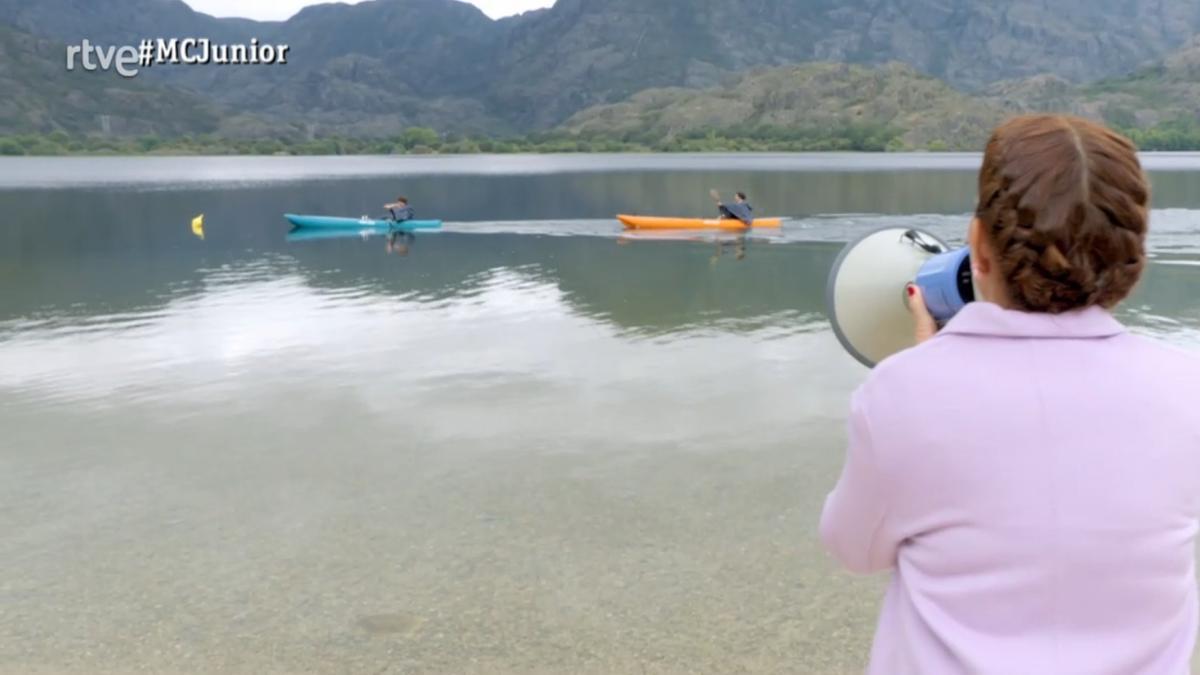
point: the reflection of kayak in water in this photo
(694, 236)
(315, 233)
(660, 223)
(330, 222)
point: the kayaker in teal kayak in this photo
(740, 209)
(400, 210)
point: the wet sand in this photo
(659, 560)
(195, 534)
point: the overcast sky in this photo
(282, 9)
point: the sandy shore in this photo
(652, 559)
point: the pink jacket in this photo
(1033, 483)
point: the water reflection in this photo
(396, 242)
(647, 286)
(735, 244)
(114, 273)
(653, 284)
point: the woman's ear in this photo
(981, 253)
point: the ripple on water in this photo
(1171, 230)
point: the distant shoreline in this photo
(209, 171)
(518, 153)
(209, 153)
(515, 153)
(421, 141)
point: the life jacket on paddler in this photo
(741, 211)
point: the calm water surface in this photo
(529, 445)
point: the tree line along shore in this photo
(1175, 136)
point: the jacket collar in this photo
(987, 319)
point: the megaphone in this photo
(866, 299)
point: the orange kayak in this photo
(658, 223)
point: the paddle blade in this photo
(198, 226)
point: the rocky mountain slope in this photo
(381, 65)
(40, 96)
(919, 111)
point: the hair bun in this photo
(1064, 202)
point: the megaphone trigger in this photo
(918, 238)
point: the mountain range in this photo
(918, 110)
(380, 66)
(41, 98)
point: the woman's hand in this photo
(924, 326)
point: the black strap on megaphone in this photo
(919, 240)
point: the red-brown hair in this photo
(1064, 203)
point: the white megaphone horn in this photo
(866, 299)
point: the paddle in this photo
(716, 197)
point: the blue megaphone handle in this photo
(946, 282)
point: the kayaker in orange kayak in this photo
(740, 209)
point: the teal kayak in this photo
(361, 223)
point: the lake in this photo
(526, 444)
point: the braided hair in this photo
(1065, 204)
